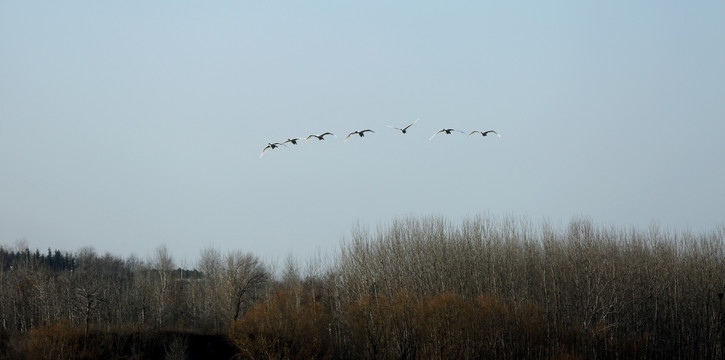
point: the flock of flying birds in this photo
(361, 133)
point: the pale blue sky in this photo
(127, 125)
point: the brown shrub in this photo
(283, 326)
(55, 341)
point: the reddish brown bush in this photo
(283, 326)
(56, 341)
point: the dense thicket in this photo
(414, 288)
(588, 291)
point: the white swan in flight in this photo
(361, 133)
(447, 131)
(405, 129)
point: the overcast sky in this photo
(125, 125)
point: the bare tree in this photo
(162, 265)
(208, 292)
(244, 279)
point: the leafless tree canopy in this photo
(412, 288)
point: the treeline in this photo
(24, 258)
(414, 288)
(42, 307)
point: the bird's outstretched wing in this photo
(411, 124)
(265, 149)
(491, 131)
(473, 132)
(350, 134)
(437, 132)
(311, 136)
